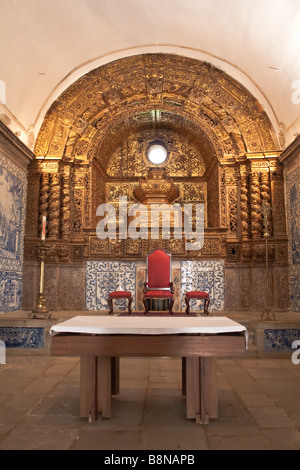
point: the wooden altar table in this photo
(101, 340)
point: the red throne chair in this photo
(158, 283)
(197, 295)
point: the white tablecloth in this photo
(147, 325)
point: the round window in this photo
(157, 153)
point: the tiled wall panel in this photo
(293, 218)
(207, 276)
(103, 277)
(23, 337)
(13, 185)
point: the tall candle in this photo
(43, 227)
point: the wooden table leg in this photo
(104, 382)
(192, 368)
(115, 375)
(201, 389)
(98, 377)
(88, 387)
(183, 376)
(208, 389)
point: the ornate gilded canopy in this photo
(101, 110)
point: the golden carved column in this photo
(80, 189)
(245, 203)
(266, 196)
(87, 197)
(65, 223)
(256, 225)
(54, 206)
(44, 198)
(232, 201)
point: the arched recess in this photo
(119, 158)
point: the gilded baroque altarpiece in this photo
(222, 152)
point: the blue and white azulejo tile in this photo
(205, 276)
(103, 277)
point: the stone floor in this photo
(259, 407)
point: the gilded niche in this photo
(129, 159)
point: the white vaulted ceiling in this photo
(47, 44)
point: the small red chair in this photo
(158, 283)
(119, 295)
(197, 295)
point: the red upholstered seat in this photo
(158, 284)
(197, 294)
(158, 294)
(119, 294)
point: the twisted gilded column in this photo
(54, 206)
(244, 206)
(256, 226)
(44, 198)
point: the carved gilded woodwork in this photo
(180, 86)
(256, 201)
(78, 201)
(233, 253)
(44, 198)
(277, 200)
(232, 196)
(77, 254)
(54, 206)
(245, 202)
(222, 151)
(156, 187)
(116, 190)
(266, 196)
(130, 161)
(134, 247)
(65, 221)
